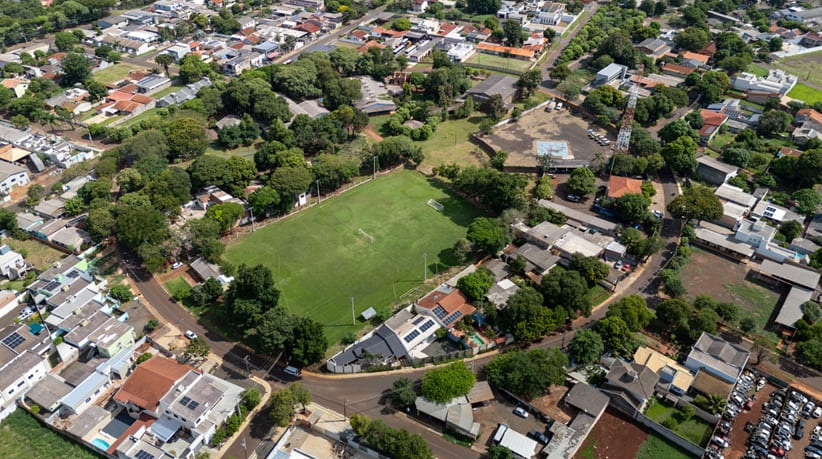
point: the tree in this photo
(696, 203)
(736, 155)
(282, 407)
(632, 207)
(591, 269)
(582, 182)
(402, 393)
(568, 289)
(569, 89)
(462, 250)
(394, 150)
(695, 120)
(441, 385)
(192, 68)
(529, 82)
(791, 229)
(773, 122)
(692, 38)
(197, 347)
(680, 155)
(586, 346)
(528, 374)
(498, 451)
(806, 200)
(65, 41)
(560, 72)
(301, 394)
(747, 324)
(186, 138)
(263, 201)
(308, 343)
(121, 293)
(34, 194)
(494, 107)
(137, 226)
(703, 321)
(75, 69)
(810, 353)
(729, 312)
(808, 169)
(811, 311)
(513, 33)
(633, 310)
(164, 60)
(487, 234)
(677, 129)
(525, 317)
(615, 333)
(483, 6)
(476, 284)
(713, 403)
(672, 312)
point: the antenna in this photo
(624, 136)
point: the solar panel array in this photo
(73, 274)
(13, 340)
(427, 325)
(440, 312)
(450, 319)
(143, 454)
(410, 337)
(193, 405)
(51, 286)
(418, 320)
(184, 401)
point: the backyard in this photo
(806, 94)
(367, 244)
(693, 429)
(499, 62)
(22, 436)
(115, 73)
(757, 70)
(38, 254)
(806, 66)
(656, 447)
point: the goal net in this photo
(365, 235)
(437, 206)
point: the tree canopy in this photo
(442, 384)
(528, 374)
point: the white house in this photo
(18, 86)
(717, 356)
(11, 175)
(12, 264)
(775, 82)
(461, 52)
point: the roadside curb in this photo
(392, 372)
(267, 391)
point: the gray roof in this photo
(88, 419)
(735, 194)
(578, 216)
(716, 164)
(51, 208)
(726, 241)
(18, 367)
(791, 310)
(636, 382)
(49, 391)
(790, 273)
(587, 399)
(504, 85)
(205, 269)
(537, 256)
(8, 169)
(481, 392)
(716, 353)
(201, 392)
(803, 246)
(547, 233)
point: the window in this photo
(20, 383)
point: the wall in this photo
(669, 435)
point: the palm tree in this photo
(165, 60)
(50, 120)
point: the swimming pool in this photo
(100, 443)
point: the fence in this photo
(494, 68)
(669, 435)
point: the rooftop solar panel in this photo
(13, 340)
(440, 312)
(427, 325)
(450, 319)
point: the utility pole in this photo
(345, 408)
(425, 267)
(247, 369)
(245, 447)
(374, 174)
(353, 318)
(318, 191)
(251, 209)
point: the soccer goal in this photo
(366, 235)
(437, 206)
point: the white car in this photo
(559, 105)
(190, 334)
(520, 412)
(177, 265)
(26, 313)
(817, 412)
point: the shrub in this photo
(143, 357)
(670, 423)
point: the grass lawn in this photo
(806, 93)
(755, 300)
(38, 254)
(656, 447)
(142, 116)
(694, 429)
(588, 451)
(805, 66)
(501, 63)
(451, 143)
(116, 72)
(167, 91)
(177, 287)
(757, 70)
(215, 149)
(722, 139)
(320, 259)
(22, 436)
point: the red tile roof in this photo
(450, 302)
(700, 57)
(788, 151)
(446, 28)
(150, 381)
(370, 44)
(811, 114)
(119, 95)
(674, 68)
(484, 46)
(309, 27)
(620, 186)
(713, 118)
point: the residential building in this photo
(717, 356)
(537, 259)
(581, 220)
(809, 118)
(653, 47)
(205, 271)
(672, 376)
(789, 274)
(589, 404)
(775, 82)
(722, 240)
(418, 6)
(185, 94)
(712, 121)
(500, 292)
(775, 213)
(461, 52)
(18, 86)
(735, 194)
(375, 97)
(50, 208)
(516, 442)
(629, 385)
(505, 51)
(504, 85)
(153, 83)
(12, 264)
(90, 327)
(317, 5)
(610, 73)
(620, 186)
(446, 305)
(456, 415)
(22, 363)
(11, 175)
(791, 309)
(245, 61)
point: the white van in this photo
(293, 371)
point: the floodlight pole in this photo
(425, 267)
(374, 174)
(353, 318)
(318, 191)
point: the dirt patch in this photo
(612, 437)
(549, 404)
(371, 133)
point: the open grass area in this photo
(720, 140)
(452, 143)
(167, 91)
(38, 254)
(754, 299)
(656, 447)
(116, 72)
(805, 66)
(499, 62)
(806, 93)
(177, 287)
(215, 149)
(757, 70)
(142, 116)
(321, 258)
(694, 429)
(22, 436)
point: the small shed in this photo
(368, 314)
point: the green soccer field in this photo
(321, 258)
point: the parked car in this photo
(190, 334)
(722, 442)
(293, 371)
(538, 436)
(817, 412)
(519, 411)
(177, 265)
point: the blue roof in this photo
(79, 394)
(165, 428)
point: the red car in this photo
(749, 404)
(626, 267)
(777, 451)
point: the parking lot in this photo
(501, 411)
(780, 423)
(520, 138)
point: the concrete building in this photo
(715, 171)
(12, 264)
(11, 176)
(717, 356)
(610, 73)
(776, 82)
(504, 85)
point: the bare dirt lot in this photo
(612, 437)
(519, 138)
